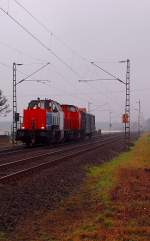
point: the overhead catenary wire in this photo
(5, 65)
(73, 95)
(86, 80)
(49, 31)
(43, 81)
(31, 15)
(83, 93)
(10, 67)
(68, 93)
(52, 52)
(21, 52)
(107, 72)
(36, 71)
(39, 42)
(25, 29)
(52, 33)
(29, 56)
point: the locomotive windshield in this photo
(72, 108)
(44, 104)
(37, 104)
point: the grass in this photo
(102, 180)
(46, 237)
(2, 236)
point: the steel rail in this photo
(50, 153)
(19, 149)
(10, 150)
(56, 161)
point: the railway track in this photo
(13, 170)
(28, 152)
(21, 150)
(10, 150)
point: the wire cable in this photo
(89, 80)
(105, 71)
(50, 31)
(10, 67)
(5, 65)
(47, 48)
(40, 42)
(52, 52)
(31, 15)
(33, 73)
(25, 29)
(20, 52)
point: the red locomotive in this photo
(47, 121)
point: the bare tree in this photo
(4, 106)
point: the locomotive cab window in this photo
(72, 108)
(48, 105)
(34, 104)
(41, 104)
(54, 107)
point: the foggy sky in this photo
(104, 31)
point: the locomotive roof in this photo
(46, 100)
(69, 105)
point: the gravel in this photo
(47, 188)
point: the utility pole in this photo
(110, 122)
(15, 114)
(127, 104)
(15, 83)
(126, 116)
(139, 118)
(14, 127)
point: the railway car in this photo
(90, 125)
(87, 123)
(43, 122)
(47, 121)
(72, 121)
(77, 122)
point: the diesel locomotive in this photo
(46, 121)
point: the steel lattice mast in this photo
(126, 115)
(15, 83)
(127, 104)
(14, 127)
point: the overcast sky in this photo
(103, 31)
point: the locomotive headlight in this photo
(23, 128)
(42, 127)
